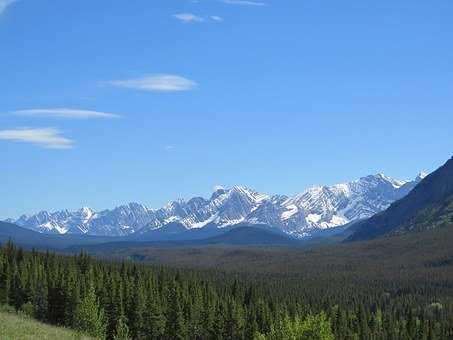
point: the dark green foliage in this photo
(313, 327)
(122, 330)
(176, 327)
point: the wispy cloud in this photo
(244, 2)
(65, 113)
(156, 83)
(188, 18)
(50, 138)
(4, 4)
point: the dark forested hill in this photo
(251, 235)
(175, 235)
(8, 230)
(429, 205)
(31, 239)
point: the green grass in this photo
(19, 327)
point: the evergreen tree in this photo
(251, 326)
(41, 302)
(137, 314)
(91, 315)
(176, 328)
(234, 321)
(122, 330)
(315, 327)
(154, 320)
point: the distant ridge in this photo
(9, 230)
(429, 205)
(32, 239)
(250, 235)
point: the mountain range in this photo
(318, 208)
(428, 206)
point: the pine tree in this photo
(138, 310)
(176, 328)
(41, 302)
(122, 330)
(251, 325)
(91, 318)
(234, 321)
(154, 319)
(72, 304)
(316, 327)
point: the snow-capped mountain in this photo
(331, 206)
(300, 215)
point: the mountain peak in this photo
(218, 191)
(86, 210)
(394, 182)
(174, 204)
(421, 176)
(241, 189)
(251, 194)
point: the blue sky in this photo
(106, 102)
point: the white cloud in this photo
(4, 4)
(156, 83)
(44, 137)
(244, 2)
(188, 18)
(65, 113)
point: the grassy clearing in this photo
(19, 327)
